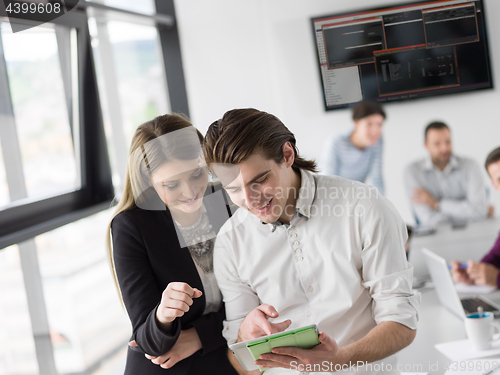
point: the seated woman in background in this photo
(486, 272)
(357, 154)
(163, 233)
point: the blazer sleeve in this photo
(209, 330)
(139, 288)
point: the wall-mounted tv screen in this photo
(401, 52)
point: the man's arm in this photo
(237, 366)
(382, 341)
(475, 205)
(424, 214)
(387, 276)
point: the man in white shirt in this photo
(443, 187)
(308, 249)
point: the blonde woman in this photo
(162, 234)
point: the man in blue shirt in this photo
(357, 154)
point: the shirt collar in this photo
(453, 164)
(306, 193)
(306, 197)
(429, 166)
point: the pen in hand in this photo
(462, 266)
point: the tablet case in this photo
(304, 338)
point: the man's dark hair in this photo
(493, 157)
(365, 109)
(438, 125)
(240, 133)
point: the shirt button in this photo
(306, 212)
(309, 313)
(301, 259)
(296, 243)
(311, 289)
(299, 251)
(292, 227)
(294, 235)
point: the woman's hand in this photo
(483, 273)
(176, 300)
(186, 345)
(460, 275)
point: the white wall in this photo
(261, 53)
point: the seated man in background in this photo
(488, 270)
(445, 187)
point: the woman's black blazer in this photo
(147, 257)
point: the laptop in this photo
(420, 270)
(447, 293)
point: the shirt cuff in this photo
(394, 299)
(154, 340)
(403, 310)
(231, 329)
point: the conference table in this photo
(436, 324)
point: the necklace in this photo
(199, 238)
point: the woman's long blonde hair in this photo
(136, 174)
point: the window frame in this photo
(22, 220)
(27, 218)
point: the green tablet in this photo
(249, 351)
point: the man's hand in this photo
(422, 196)
(382, 341)
(301, 359)
(186, 345)
(460, 275)
(256, 323)
(482, 273)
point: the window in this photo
(128, 61)
(4, 189)
(43, 110)
(85, 315)
(58, 294)
(17, 347)
(143, 6)
(51, 133)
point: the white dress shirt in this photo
(340, 264)
(459, 188)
